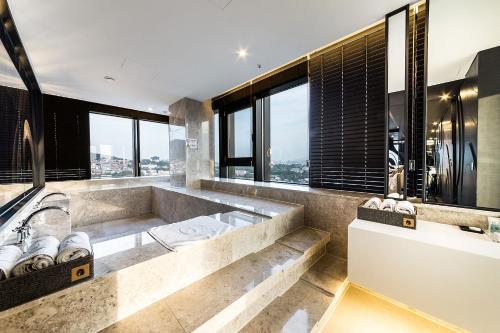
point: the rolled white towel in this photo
(405, 207)
(373, 203)
(9, 254)
(41, 254)
(388, 204)
(74, 246)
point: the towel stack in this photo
(42, 253)
(391, 205)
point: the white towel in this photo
(189, 232)
(405, 207)
(388, 204)
(74, 246)
(41, 254)
(9, 254)
(373, 203)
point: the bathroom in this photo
(227, 166)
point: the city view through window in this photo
(111, 147)
(289, 145)
(154, 148)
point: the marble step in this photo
(308, 304)
(229, 298)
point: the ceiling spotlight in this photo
(150, 109)
(435, 123)
(445, 96)
(242, 53)
(109, 79)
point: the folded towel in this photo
(405, 207)
(373, 203)
(394, 195)
(189, 232)
(388, 204)
(9, 254)
(74, 246)
(40, 255)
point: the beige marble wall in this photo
(174, 207)
(88, 207)
(190, 120)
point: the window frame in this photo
(261, 112)
(136, 144)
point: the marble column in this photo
(191, 136)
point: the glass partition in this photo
(463, 104)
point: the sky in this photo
(113, 135)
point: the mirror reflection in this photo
(15, 142)
(396, 103)
(463, 104)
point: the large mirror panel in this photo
(16, 142)
(396, 103)
(463, 104)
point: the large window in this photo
(111, 146)
(239, 133)
(154, 148)
(287, 157)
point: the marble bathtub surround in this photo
(327, 210)
(333, 210)
(133, 271)
(225, 300)
(97, 184)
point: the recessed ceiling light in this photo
(109, 79)
(150, 109)
(242, 53)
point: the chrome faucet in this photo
(40, 202)
(24, 230)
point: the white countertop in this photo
(438, 234)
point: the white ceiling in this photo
(160, 51)
(458, 30)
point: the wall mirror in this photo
(20, 106)
(396, 24)
(462, 128)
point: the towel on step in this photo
(405, 207)
(189, 232)
(388, 204)
(9, 254)
(41, 254)
(373, 203)
(74, 246)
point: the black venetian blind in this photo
(347, 115)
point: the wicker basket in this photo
(386, 217)
(21, 289)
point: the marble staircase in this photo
(236, 295)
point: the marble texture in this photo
(298, 310)
(88, 207)
(138, 272)
(227, 299)
(327, 274)
(328, 210)
(102, 184)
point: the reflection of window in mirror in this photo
(15, 142)
(463, 104)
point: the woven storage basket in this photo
(21, 289)
(408, 221)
